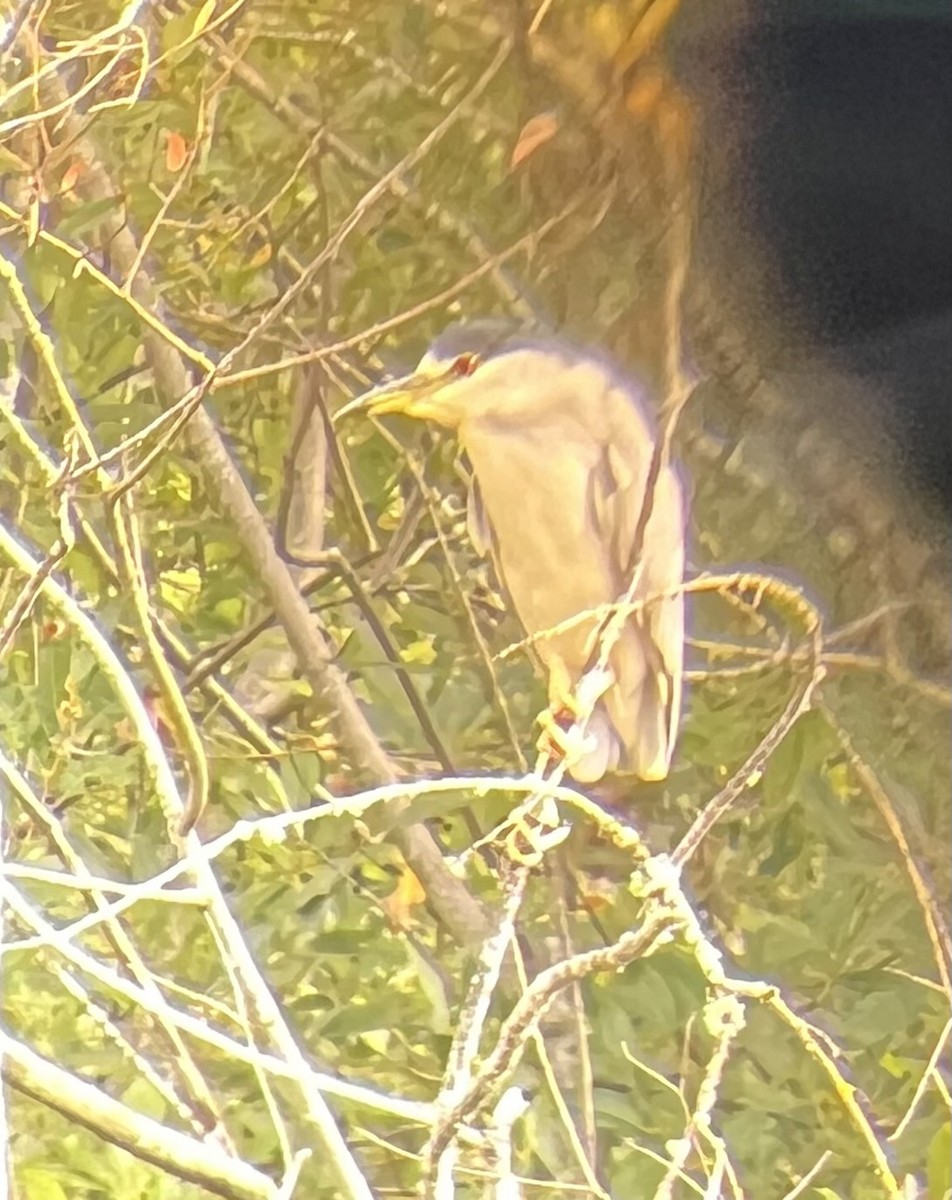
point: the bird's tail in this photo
(644, 707)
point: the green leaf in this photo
(939, 1163)
(39, 1184)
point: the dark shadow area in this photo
(826, 208)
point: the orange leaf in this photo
(535, 133)
(408, 892)
(71, 175)
(176, 151)
(260, 256)
(645, 93)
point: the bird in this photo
(560, 442)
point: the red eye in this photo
(465, 364)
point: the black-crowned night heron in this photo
(561, 445)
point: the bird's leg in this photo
(560, 738)
(561, 689)
(569, 707)
(558, 719)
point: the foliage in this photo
(211, 211)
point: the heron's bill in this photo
(410, 395)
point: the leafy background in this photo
(309, 194)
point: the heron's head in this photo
(473, 368)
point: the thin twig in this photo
(933, 912)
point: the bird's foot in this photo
(562, 738)
(573, 732)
